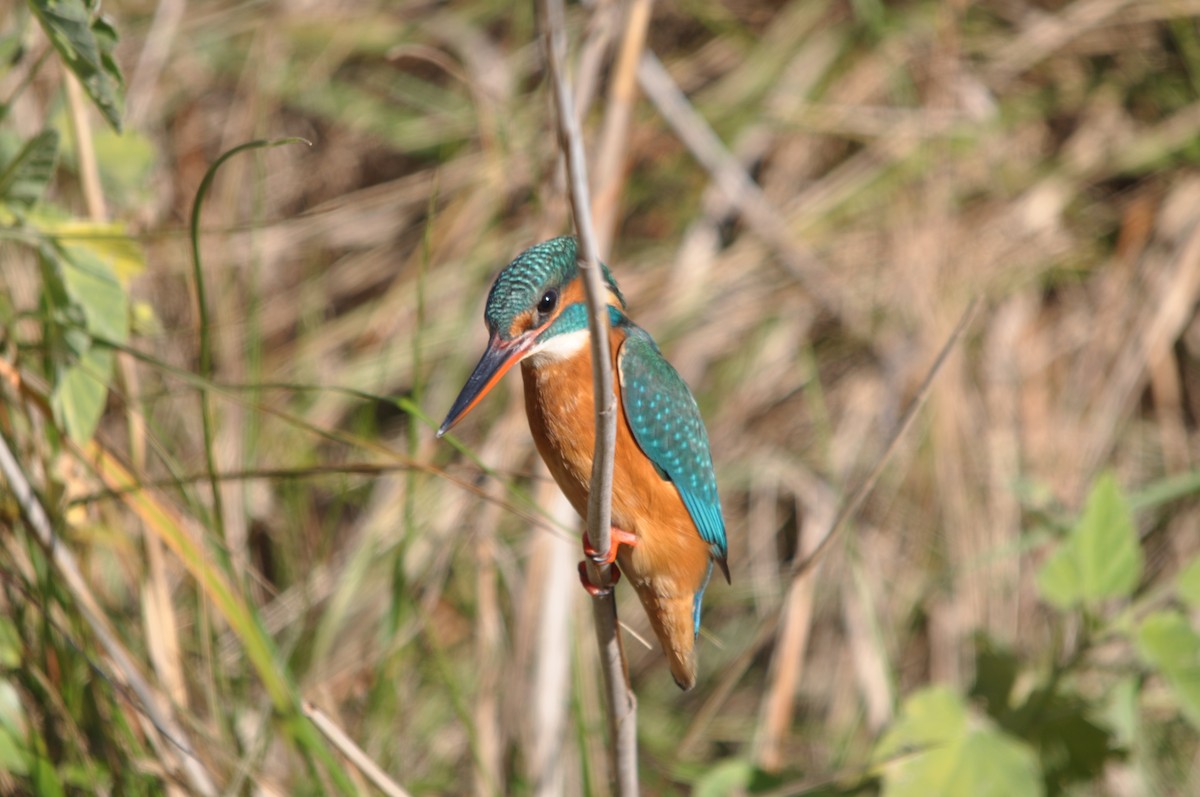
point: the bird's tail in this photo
(672, 619)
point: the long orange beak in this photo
(495, 362)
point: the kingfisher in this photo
(667, 526)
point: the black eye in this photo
(549, 300)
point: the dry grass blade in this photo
(338, 738)
(72, 579)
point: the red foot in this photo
(617, 538)
(591, 588)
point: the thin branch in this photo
(622, 704)
(741, 190)
(860, 493)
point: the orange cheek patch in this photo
(571, 294)
(520, 324)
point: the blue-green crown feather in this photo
(551, 264)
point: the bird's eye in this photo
(549, 300)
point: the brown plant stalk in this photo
(622, 705)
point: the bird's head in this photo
(536, 308)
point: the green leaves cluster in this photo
(85, 42)
(84, 305)
(1100, 559)
(1052, 736)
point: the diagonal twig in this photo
(357, 756)
(769, 625)
(728, 175)
(622, 705)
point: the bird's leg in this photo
(617, 538)
(591, 588)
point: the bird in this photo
(667, 527)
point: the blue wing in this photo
(667, 426)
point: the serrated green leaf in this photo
(80, 391)
(934, 750)
(1168, 643)
(1058, 579)
(94, 287)
(1101, 557)
(86, 48)
(26, 176)
(1108, 553)
(1187, 583)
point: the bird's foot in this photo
(617, 538)
(591, 588)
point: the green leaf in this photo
(727, 777)
(1187, 583)
(80, 391)
(10, 652)
(126, 164)
(46, 782)
(1101, 558)
(1168, 643)
(26, 176)
(936, 750)
(1106, 542)
(1120, 711)
(12, 754)
(1058, 579)
(92, 285)
(86, 46)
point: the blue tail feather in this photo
(699, 598)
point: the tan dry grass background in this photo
(910, 156)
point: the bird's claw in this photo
(592, 589)
(617, 538)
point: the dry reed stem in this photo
(505, 450)
(553, 585)
(1161, 322)
(621, 703)
(622, 95)
(787, 665)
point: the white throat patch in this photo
(559, 347)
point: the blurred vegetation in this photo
(248, 516)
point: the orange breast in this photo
(670, 561)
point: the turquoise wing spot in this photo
(672, 434)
